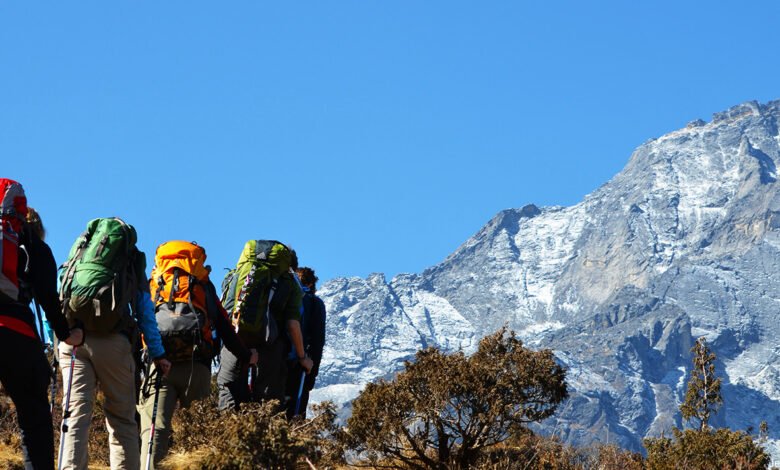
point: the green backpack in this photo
(252, 291)
(102, 275)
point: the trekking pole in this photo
(53, 388)
(157, 383)
(54, 366)
(300, 392)
(66, 407)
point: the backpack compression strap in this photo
(160, 284)
(192, 283)
(174, 288)
(70, 265)
(129, 270)
(268, 310)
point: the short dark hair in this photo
(307, 277)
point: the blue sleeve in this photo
(148, 323)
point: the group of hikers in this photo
(147, 344)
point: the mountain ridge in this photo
(682, 242)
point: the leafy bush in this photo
(444, 409)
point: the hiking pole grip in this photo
(157, 384)
(251, 380)
(300, 392)
(66, 407)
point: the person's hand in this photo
(254, 357)
(76, 337)
(163, 365)
(306, 363)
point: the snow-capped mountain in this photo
(683, 242)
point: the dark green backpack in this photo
(252, 292)
(102, 276)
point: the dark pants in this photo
(268, 383)
(25, 375)
(295, 372)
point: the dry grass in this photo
(255, 437)
(182, 460)
(204, 438)
(10, 442)
(10, 457)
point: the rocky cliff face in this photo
(684, 242)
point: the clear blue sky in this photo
(371, 136)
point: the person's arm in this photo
(43, 277)
(293, 315)
(318, 332)
(316, 327)
(223, 326)
(294, 331)
(148, 324)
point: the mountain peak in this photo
(682, 243)
(740, 110)
(529, 210)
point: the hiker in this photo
(192, 322)
(313, 328)
(103, 284)
(28, 271)
(35, 225)
(263, 297)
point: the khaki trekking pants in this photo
(186, 382)
(104, 362)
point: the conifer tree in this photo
(705, 448)
(703, 398)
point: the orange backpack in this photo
(178, 286)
